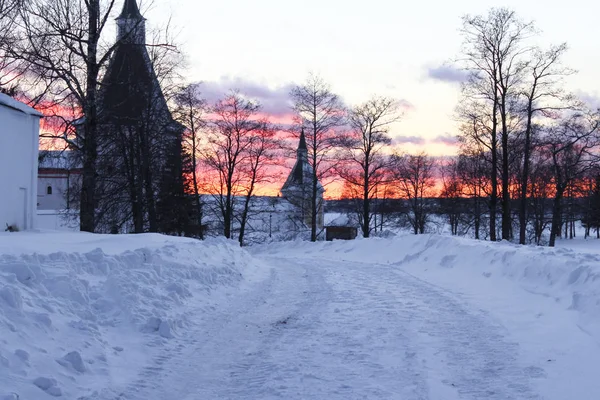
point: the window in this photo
(49, 190)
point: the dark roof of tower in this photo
(128, 85)
(302, 144)
(298, 172)
(130, 88)
(302, 173)
(130, 10)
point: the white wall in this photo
(19, 142)
(57, 200)
(57, 220)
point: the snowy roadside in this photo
(82, 312)
(548, 300)
(569, 276)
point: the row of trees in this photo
(528, 148)
(523, 138)
(527, 145)
(55, 53)
(237, 148)
(519, 122)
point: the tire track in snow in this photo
(462, 349)
(338, 330)
(323, 351)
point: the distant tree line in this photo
(528, 148)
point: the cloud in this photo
(446, 138)
(592, 100)
(446, 73)
(406, 105)
(275, 101)
(408, 139)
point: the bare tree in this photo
(364, 163)
(261, 157)
(541, 191)
(451, 196)
(191, 111)
(231, 152)
(416, 182)
(479, 163)
(61, 44)
(473, 169)
(11, 68)
(493, 54)
(479, 142)
(320, 112)
(591, 214)
(571, 146)
(543, 96)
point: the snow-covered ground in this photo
(80, 313)
(408, 317)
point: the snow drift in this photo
(84, 311)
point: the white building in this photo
(19, 142)
(58, 172)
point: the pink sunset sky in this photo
(398, 49)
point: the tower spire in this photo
(302, 144)
(131, 24)
(302, 149)
(130, 10)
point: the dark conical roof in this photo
(298, 172)
(127, 86)
(130, 10)
(302, 144)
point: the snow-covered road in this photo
(339, 330)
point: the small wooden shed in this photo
(340, 232)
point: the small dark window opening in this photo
(49, 190)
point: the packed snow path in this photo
(339, 330)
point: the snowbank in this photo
(79, 312)
(571, 277)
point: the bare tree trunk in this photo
(366, 225)
(506, 214)
(315, 193)
(197, 202)
(138, 172)
(556, 216)
(146, 167)
(494, 183)
(244, 218)
(90, 147)
(227, 216)
(525, 174)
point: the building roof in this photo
(302, 172)
(302, 143)
(57, 159)
(128, 85)
(130, 10)
(9, 102)
(340, 220)
(130, 89)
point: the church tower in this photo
(140, 144)
(297, 188)
(130, 85)
(131, 26)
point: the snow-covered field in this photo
(410, 317)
